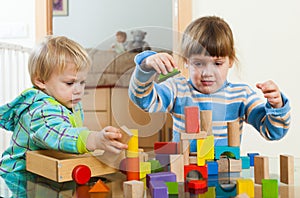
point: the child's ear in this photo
(39, 83)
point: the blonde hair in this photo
(53, 54)
(208, 35)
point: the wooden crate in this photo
(58, 166)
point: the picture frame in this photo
(60, 7)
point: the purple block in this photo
(164, 159)
(160, 176)
(158, 189)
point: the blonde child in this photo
(208, 52)
(49, 115)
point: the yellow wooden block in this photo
(205, 150)
(145, 168)
(133, 144)
(245, 186)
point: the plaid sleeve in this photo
(52, 128)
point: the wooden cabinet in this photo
(112, 106)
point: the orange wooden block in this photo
(192, 119)
(99, 187)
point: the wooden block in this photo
(185, 151)
(252, 155)
(235, 165)
(172, 188)
(261, 168)
(202, 170)
(161, 176)
(158, 189)
(145, 168)
(269, 188)
(223, 165)
(206, 121)
(191, 119)
(176, 166)
(58, 166)
(192, 159)
(133, 145)
(132, 168)
(99, 187)
(165, 148)
(126, 134)
(193, 136)
(245, 186)
(287, 169)
(133, 189)
(228, 150)
(234, 135)
(205, 150)
(245, 162)
(212, 167)
(287, 191)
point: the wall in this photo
(267, 41)
(17, 22)
(93, 23)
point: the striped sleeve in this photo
(53, 129)
(272, 123)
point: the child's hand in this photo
(271, 92)
(106, 139)
(160, 62)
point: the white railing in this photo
(14, 78)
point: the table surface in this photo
(25, 184)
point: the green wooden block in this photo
(163, 77)
(172, 188)
(155, 166)
(269, 188)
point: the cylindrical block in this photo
(206, 121)
(234, 135)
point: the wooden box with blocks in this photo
(59, 166)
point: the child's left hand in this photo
(271, 92)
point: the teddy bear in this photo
(138, 44)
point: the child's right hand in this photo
(160, 62)
(106, 139)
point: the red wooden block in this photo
(192, 167)
(197, 184)
(192, 121)
(81, 174)
(133, 168)
(165, 147)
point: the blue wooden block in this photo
(158, 189)
(230, 151)
(245, 162)
(252, 155)
(228, 190)
(161, 176)
(212, 167)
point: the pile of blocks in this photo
(177, 171)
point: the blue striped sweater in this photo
(230, 103)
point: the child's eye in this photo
(82, 82)
(69, 83)
(218, 63)
(197, 64)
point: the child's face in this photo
(120, 39)
(67, 87)
(207, 73)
